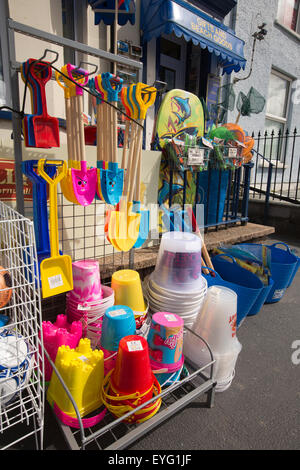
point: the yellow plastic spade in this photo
(56, 271)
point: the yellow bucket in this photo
(127, 286)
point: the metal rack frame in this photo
(24, 415)
(114, 434)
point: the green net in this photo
(252, 103)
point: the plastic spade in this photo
(56, 271)
(112, 178)
(45, 128)
(84, 179)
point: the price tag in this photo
(134, 346)
(117, 313)
(232, 152)
(195, 156)
(170, 317)
(55, 281)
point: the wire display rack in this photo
(21, 386)
(115, 434)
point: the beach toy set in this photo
(131, 384)
(176, 285)
(57, 334)
(89, 299)
(165, 341)
(127, 287)
(216, 324)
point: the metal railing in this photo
(226, 195)
(276, 172)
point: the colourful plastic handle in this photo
(113, 85)
(95, 91)
(67, 89)
(99, 87)
(125, 103)
(145, 96)
(61, 173)
(81, 77)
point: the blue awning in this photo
(184, 20)
(104, 11)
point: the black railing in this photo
(224, 195)
(276, 173)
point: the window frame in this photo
(279, 119)
(297, 28)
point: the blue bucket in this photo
(246, 285)
(214, 213)
(295, 271)
(261, 299)
(284, 265)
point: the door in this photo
(172, 62)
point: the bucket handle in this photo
(280, 243)
(224, 255)
(212, 272)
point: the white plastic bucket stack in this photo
(216, 324)
(177, 285)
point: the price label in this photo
(170, 317)
(232, 152)
(117, 313)
(195, 156)
(134, 346)
(55, 281)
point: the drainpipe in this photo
(232, 25)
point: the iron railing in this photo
(276, 172)
(222, 208)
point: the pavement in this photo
(259, 411)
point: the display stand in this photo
(114, 434)
(22, 415)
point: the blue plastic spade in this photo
(40, 209)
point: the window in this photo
(68, 28)
(288, 14)
(277, 109)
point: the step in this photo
(145, 258)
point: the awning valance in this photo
(184, 20)
(105, 11)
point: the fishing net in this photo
(252, 103)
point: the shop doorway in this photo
(172, 62)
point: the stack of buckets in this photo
(131, 384)
(89, 299)
(216, 324)
(177, 285)
(127, 287)
(165, 340)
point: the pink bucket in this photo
(86, 281)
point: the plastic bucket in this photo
(132, 373)
(295, 271)
(261, 299)
(127, 286)
(212, 209)
(118, 321)
(283, 269)
(86, 281)
(246, 285)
